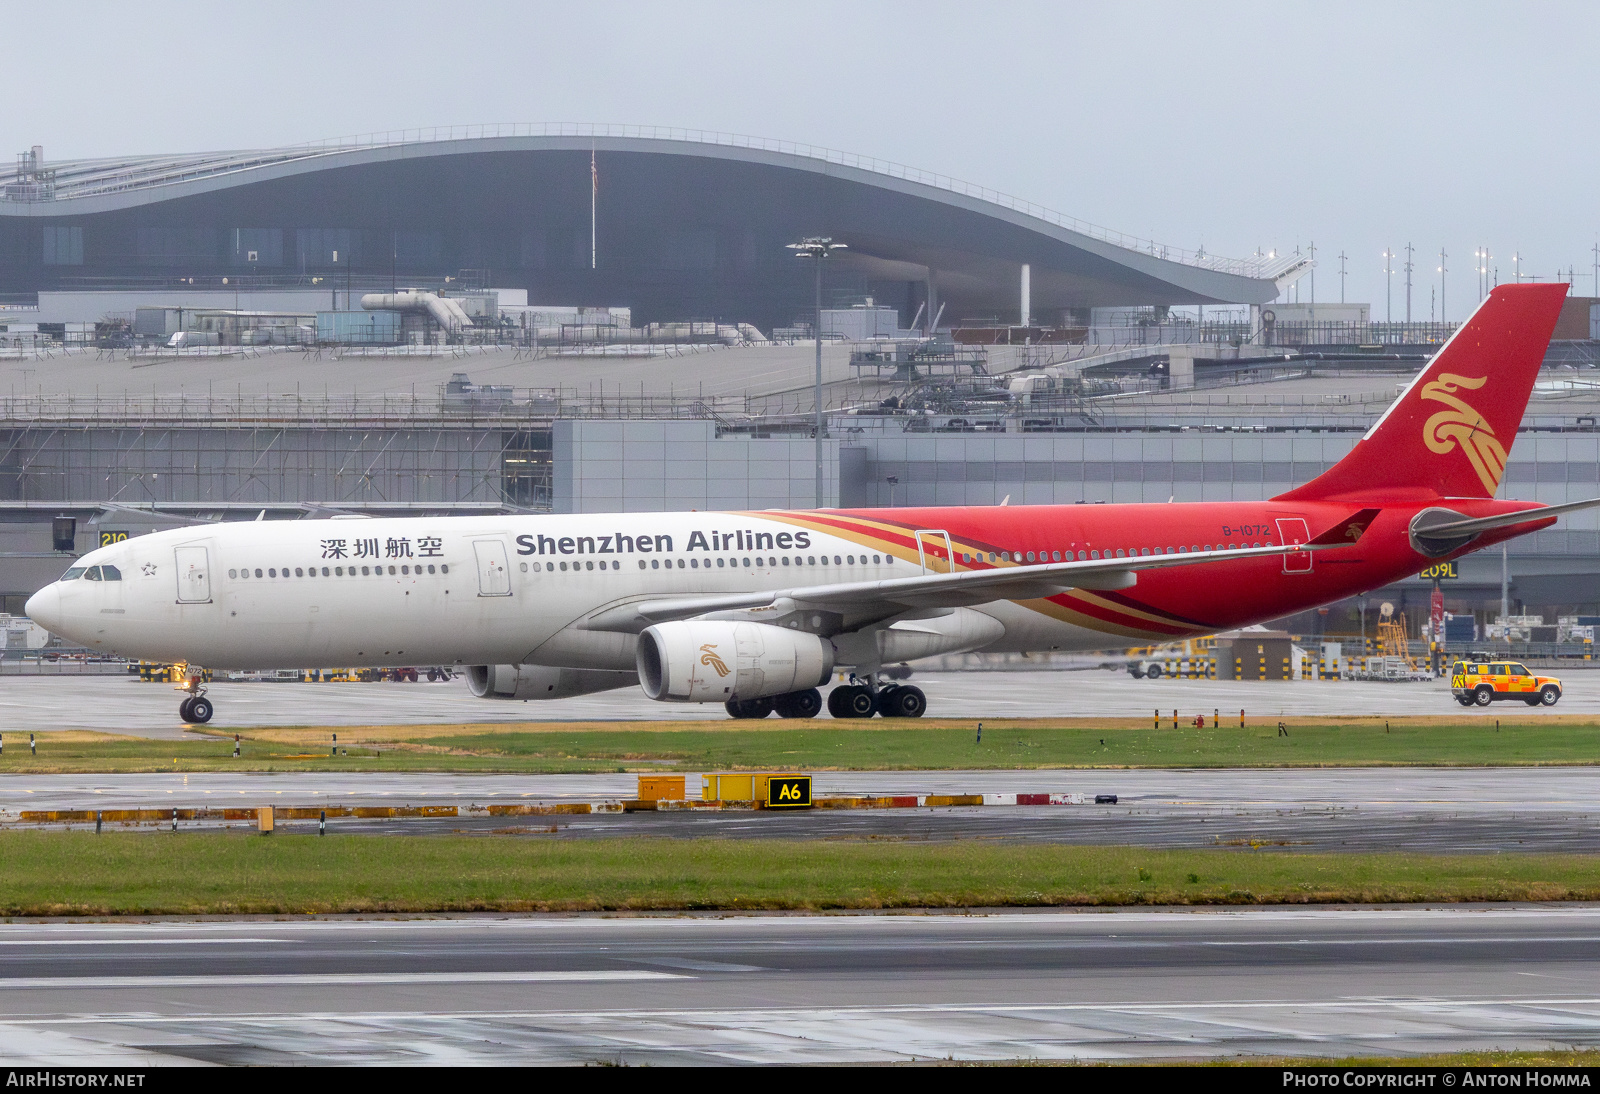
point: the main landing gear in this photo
(795, 704)
(851, 700)
(863, 701)
(195, 708)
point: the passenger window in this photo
(746, 562)
(786, 560)
(298, 572)
(522, 565)
(271, 572)
(837, 561)
(875, 561)
(258, 572)
(850, 559)
(588, 565)
(233, 573)
(1030, 556)
(72, 574)
(811, 560)
(92, 574)
(443, 569)
(366, 571)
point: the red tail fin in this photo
(1450, 432)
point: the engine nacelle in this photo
(711, 661)
(542, 682)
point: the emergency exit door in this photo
(1294, 530)
(494, 571)
(194, 574)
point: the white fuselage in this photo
(453, 590)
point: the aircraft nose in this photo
(44, 607)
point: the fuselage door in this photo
(1294, 530)
(939, 540)
(194, 574)
(494, 571)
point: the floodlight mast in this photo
(818, 248)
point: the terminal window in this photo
(63, 246)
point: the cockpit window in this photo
(111, 573)
(92, 574)
(73, 574)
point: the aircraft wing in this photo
(857, 603)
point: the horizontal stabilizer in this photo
(1473, 525)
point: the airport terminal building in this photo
(1096, 392)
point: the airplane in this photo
(759, 610)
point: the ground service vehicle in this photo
(758, 610)
(1483, 682)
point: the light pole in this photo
(1388, 285)
(817, 248)
(1408, 282)
(1442, 317)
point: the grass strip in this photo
(79, 873)
(826, 746)
(1574, 1057)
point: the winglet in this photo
(1347, 532)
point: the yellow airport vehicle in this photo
(1483, 682)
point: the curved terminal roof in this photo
(1130, 269)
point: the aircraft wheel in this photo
(799, 704)
(1549, 695)
(749, 708)
(883, 702)
(200, 709)
(850, 701)
(1483, 696)
(183, 709)
(906, 702)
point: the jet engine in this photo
(541, 682)
(712, 661)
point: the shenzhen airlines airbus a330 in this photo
(758, 610)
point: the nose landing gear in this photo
(195, 708)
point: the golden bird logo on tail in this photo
(708, 656)
(1462, 425)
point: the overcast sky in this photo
(1235, 126)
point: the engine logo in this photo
(1464, 426)
(708, 656)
